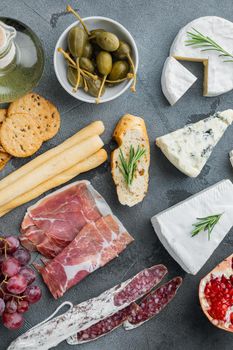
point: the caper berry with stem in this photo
(77, 39)
(107, 41)
(93, 33)
(87, 50)
(124, 51)
(120, 69)
(94, 87)
(104, 66)
(72, 77)
(104, 62)
(70, 9)
(75, 89)
(86, 64)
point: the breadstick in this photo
(51, 168)
(90, 163)
(95, 128)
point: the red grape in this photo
(12, 244)
(2, 258)
(17, 284)
(23, 256)
(12, 321)
(23, 306)
(11, 306)
(28, 273)
(10, 267)
(33, 294)
(2, 306)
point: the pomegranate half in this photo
(216, 295)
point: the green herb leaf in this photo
(199, 40)
(206, 224)
(129, 167)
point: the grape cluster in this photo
(16, 289)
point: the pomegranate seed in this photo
(219, 294)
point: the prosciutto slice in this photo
(94, 246)
(53, 222)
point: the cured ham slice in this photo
(53, 222)
(94, 246)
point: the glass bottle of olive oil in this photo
(21, 59)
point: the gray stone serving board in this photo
(154, 24)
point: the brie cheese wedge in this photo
(189, 148)
(174, 225)
(175, 80)
(218, 75)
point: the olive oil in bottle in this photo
(21, 59)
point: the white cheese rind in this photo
(189, 148)
(175, 80)
(174, 225)
(220, 73)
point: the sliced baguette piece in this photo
(131, 130)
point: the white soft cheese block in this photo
(175, 80)
(231, 157)
(174, 225)
(189, 148)
(218, 75)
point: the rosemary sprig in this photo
(197, 39)
(129, 167)
(205, 224)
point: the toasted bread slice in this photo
(131, 130)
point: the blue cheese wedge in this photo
(175, 80)
(189, 148)
(174, 225)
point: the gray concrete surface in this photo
(154, 24)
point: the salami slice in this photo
(153, 303)
(103, 327)
(90, 312)
(142, 283)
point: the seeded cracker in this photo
(43, 112)
(19, 135)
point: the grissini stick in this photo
(95, 128)
(54, 166)
(90, 163)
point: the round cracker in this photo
(42, 111)
(52, 123)
(3, 115)
(4, 159)
(19, 135)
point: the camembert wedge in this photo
(174, 225)
(175, 80)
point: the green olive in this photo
(87, 50)
(123, 50)
(107, 41)
(77, 39)
(104, 62)
(94, 87)
(85, 63)
(72, 77)
(120, 69)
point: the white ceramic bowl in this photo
(60, 65)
